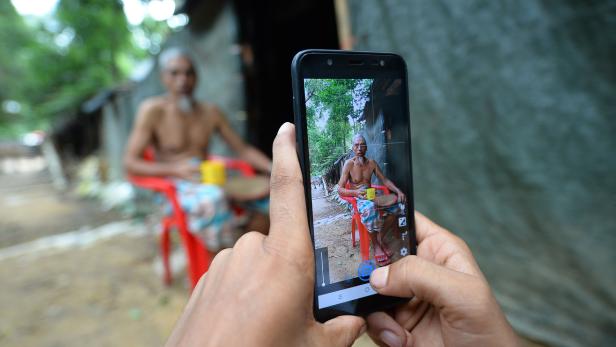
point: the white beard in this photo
(186, 104)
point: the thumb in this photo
(343, 330)
(412, 276)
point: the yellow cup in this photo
(213, 172)
(370, 193)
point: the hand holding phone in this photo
(259, 293)
(451, 299)
(353, 134)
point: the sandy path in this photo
(30, 208)
(333, 230)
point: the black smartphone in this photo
(353, 140)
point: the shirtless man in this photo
(358, 172)
(179, 129)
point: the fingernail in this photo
(390, 339)
(283, 126)
(378, 278)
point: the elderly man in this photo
(179, 129)
(358, 172)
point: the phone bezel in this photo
(345, 64)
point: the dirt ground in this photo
(30, 208)
(105, 295)
(332, 229)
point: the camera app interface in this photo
(360, 182)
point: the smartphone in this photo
(353, 141)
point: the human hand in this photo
(260, 292)
(451, 305)
(360, 193)
(401, 196)
(187, 170)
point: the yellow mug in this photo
(213, 172)
(370, 193)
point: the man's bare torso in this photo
(178, 135)
(360, 172)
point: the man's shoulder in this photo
(210, 111)
(348, 162)
(151, 108)
(209, 108)
(153, 103)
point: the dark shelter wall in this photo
(514, 138)
(275, 30)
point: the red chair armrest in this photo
(383, 188)
(350, 200)
(162, 185)
(235, 164)
(158, 184)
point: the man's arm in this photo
(139, 139)
(388, 183)
(244, 151)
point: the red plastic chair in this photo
(198, 257)
(356, 224)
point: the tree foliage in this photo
(334, 109)
(49, 66)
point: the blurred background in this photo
(513, 111)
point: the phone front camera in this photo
(382, 62)
(329, 62)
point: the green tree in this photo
(334, 109)
(14, 34)
(50, 66)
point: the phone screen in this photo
(360, 183)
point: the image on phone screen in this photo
(359, 153)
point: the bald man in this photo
(179, 129)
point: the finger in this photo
(456, 247)
(206, 283)
(412, 276)
(289, 224)
(409, 315)
(343, 330)
(425, 227)
(219, 262)
(385, 331)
